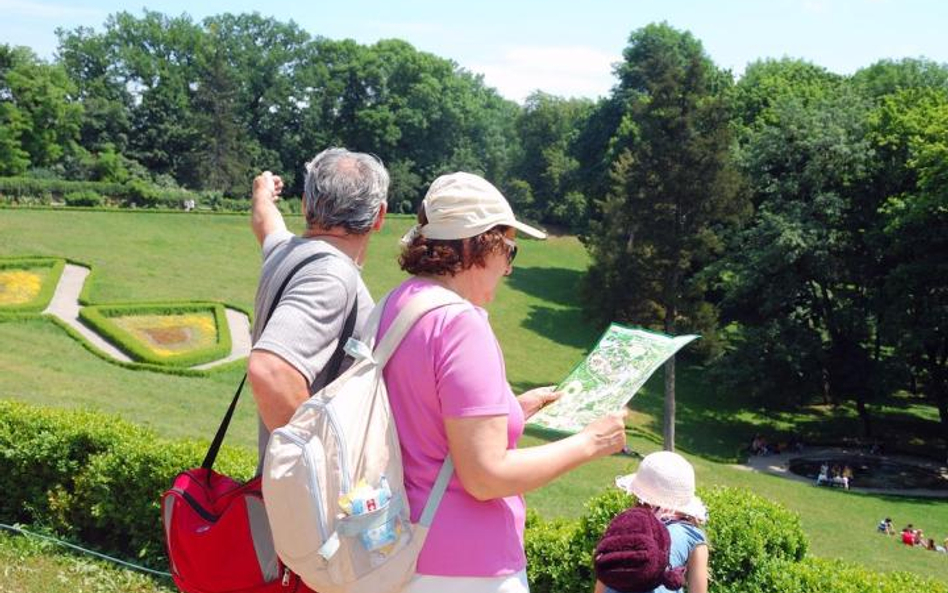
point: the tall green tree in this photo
(765, 83)
(802, 275)
(909, 132)
(153, 59)
(259, 60)
(220, 158)
(13, 159)
(547, 127)
(673, 192)
(92, 63)
(38, 109)
(887, 77)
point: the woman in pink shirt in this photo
(449, 394)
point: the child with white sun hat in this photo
(665, 485)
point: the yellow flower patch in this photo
(18, 287)
(168, 335)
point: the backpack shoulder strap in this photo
(336, 359)
(421, 303)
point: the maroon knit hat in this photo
(632, 555)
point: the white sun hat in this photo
(461, 205)
(667, 481)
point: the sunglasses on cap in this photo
(512, 251)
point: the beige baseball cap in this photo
(461, 205)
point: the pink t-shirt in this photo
(449, 365)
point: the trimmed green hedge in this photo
(137, 366)
(98, 317)
(54, 270)
(22, 187)
(817, 575)
(747, 531)
(135, 193)
(95, 478)
(86, 198)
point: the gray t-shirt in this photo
(306, 325)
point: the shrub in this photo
(85, 197)
(746, 531)
(141, 193)
(551, 565)
(136, 192)
(41, 452)
(816, 575)
(25, 187)
(92, 476)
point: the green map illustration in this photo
(606, 380)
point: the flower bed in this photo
(165, 334)
(28, 284)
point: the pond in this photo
(874, 472)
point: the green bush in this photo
(141, 193)
(746, 531)
(93, 477)
(816, 575)
(41, 453)
(98, 318)
(25, 187)
(136, 193)
(86, 197)
(550, 562)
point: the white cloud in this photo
(46, 10)
(569, 71)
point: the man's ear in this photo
(380, 217)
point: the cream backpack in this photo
(332, 477)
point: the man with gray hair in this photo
(344, 201)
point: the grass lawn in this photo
(30, 565)
(537, 317)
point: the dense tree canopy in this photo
(206, 104)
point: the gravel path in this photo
(65, 306)
(239, 339)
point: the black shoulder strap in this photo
(334, 363)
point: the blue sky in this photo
(563, 47)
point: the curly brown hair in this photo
(447, 257)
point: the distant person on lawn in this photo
(885, 526)
(344, 201)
